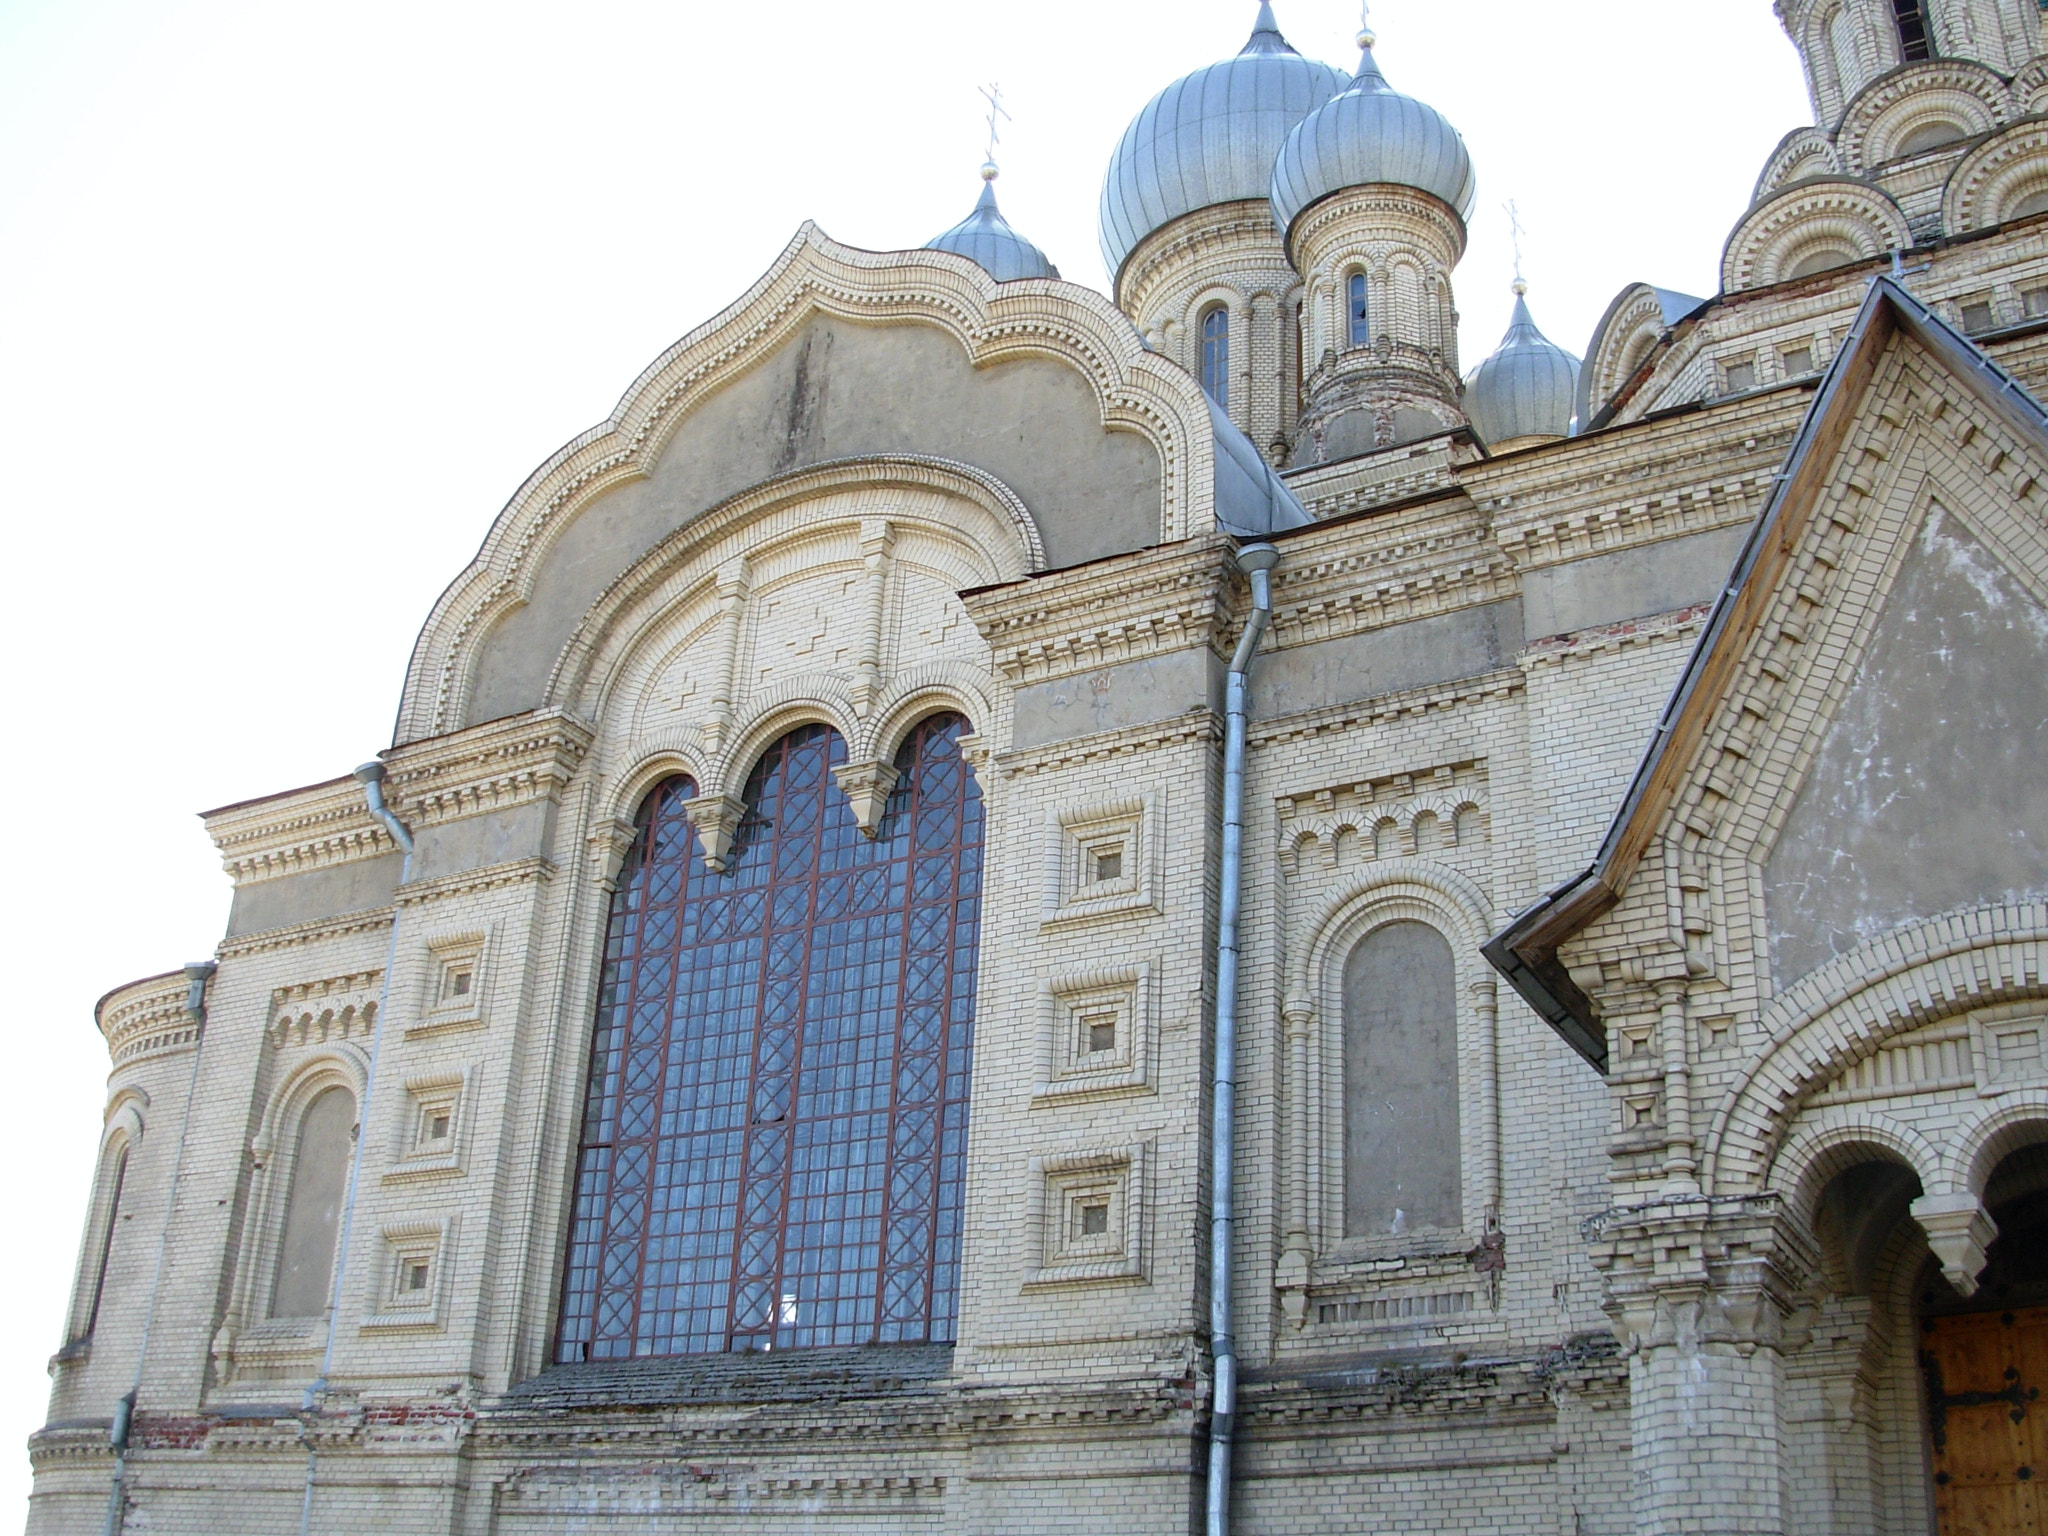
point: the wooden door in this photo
(1984, 1375)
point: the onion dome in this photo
(1528, 388)
(1209, 138)
(1371, 134)
(985, 236)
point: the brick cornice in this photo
(1339, 580)
(1159, 600)
(491, 767)
(1631, 486)
(147, 1018)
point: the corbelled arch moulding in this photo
(1968, 98)
(1849, 1008)
(870, 524)
(1847, 220)
(1135, 391)
(1458, 905)
(1802, 155)
(1992, 181)
(702, 555)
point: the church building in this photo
(997, 911)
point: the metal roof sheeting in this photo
(1528, 388)
(985, 236)
(1210, 137)
(1251, 500)
(1370, 135)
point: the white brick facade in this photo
(1006, 506)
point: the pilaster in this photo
(1708, 1296)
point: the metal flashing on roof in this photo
(1252, 502)
(1526, 951)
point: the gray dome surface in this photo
(1371, 134)
(1209, 138)
(1528, 388)
(985, 236)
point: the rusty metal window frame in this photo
(774, 1136)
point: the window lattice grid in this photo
(774, 1134)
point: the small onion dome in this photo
(1209, 138)
(1371, 134)
(985, 236)
(1527, 389)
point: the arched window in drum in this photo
(1216, 355)
(774, 1135)
(1360, 311)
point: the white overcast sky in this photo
(293, 297)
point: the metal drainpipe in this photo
(372, 777)
(196, 977)
(1256, 561)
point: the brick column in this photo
(1707, 1297)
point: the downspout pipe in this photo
(1257, 562)
(371, 776)
(197, 975)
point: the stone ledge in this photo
(792, 1376)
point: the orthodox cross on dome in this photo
(994, 94)
(1515, 233)
(1365, 34)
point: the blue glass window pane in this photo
(1361, 319)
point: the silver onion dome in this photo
(1370, 134)
(1209, 138)
(985, 236)
(1528, 388)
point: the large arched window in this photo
(774, 1136)
(1402, 1170)
(1216, 355)
(1361, 318)
(312, 1216)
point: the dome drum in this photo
(1405, 243)
(1390, 375)
(1373, 398)
(1225, 258)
